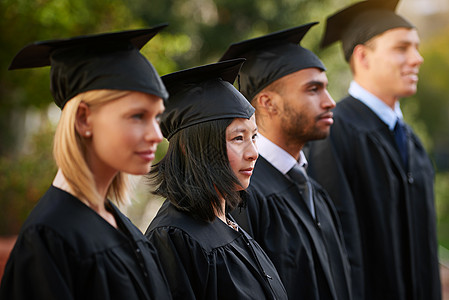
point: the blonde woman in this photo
(76, 244)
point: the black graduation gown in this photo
(67, 251)
(203, 260)
(386, 210)
(308, 254)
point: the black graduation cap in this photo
(358, 23)
(271, 57)
(203, 94)
(91, 62)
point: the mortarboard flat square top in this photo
(271, 57)
(101, 61)
(203, 94)
(359, 22)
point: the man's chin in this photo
(320, 135)
(409, 92)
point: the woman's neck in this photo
(98, 206)
(222, 214)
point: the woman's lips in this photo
(247, 171)
(147, 155)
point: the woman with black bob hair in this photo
(198, 153)
(211, 131)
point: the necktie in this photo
(401, 140)
(298, 175)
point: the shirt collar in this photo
(278, 157)
(383, 111)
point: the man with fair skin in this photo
(373, 165)
(288, 214)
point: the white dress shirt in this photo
(282, 160)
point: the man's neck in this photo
(289, 146)
(387, 99)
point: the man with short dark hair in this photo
(287, 213)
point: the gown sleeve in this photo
(184, 262)
(38, 268)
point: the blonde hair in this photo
(69, 151)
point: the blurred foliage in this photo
(23, 181)
(199, 32)
(442, 207)
(213, 25)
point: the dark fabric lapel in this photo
(299, 207)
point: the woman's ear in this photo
(83, 120)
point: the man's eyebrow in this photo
(315, 82)
(406, 42)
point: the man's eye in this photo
(137, 116)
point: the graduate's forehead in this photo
(242, 125)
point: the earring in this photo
(87, 133)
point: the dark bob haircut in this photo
(195, 168)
